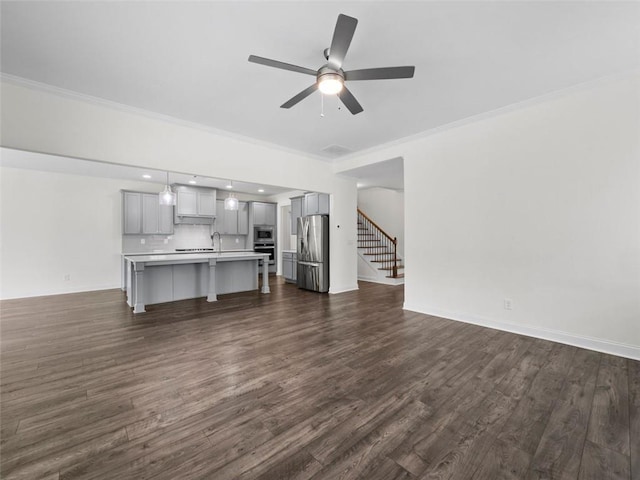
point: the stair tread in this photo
(391, 268)
(400, 275)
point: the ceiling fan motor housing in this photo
(330, 81)
(329, 72)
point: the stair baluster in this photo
(379, 242)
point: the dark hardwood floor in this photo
(297, 385)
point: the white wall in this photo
(539, 205)
(42, 121)
(53, 225)
(386, 208)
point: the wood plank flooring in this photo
(297, 385)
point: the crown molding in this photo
(81, 97)
(588, 85)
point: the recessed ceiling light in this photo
(261, 190)
(229, 186)
(193, 180)
(146, 176)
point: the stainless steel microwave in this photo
(263, 234)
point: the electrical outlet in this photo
(67, 277)
(166, 240)
(508, 304)
(142, 241)
(237, 240)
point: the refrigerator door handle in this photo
(309, 264)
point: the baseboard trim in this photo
(351, 288)
(63, 291)
(590, 343)
(380, 282)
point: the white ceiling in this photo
(189, 59)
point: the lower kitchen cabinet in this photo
(289, 266)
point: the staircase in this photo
(378, 259)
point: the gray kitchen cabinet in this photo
(296, 212)
(150, 213)
(289, 266)
(264, 213)
(271, 214)
(316, 204)
(143, 214)
(166, 218)
(187, 203)
(232, 222)
(195, 202)
(195, 205)
(243, 218)
(259, 215)
(131, 213)
(226, 220)
(207, 203)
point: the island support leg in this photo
(211, 295)
(138, 290)
(265, 275)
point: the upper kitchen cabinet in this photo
(308, 204)
(232, 222)
(243, 218)
(264, 213)
(131, 213)
(297, 204)
(195, 205)
(143, 214)
(316, 204)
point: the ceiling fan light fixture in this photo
(330, 83)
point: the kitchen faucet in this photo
(213, 241)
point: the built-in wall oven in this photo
(266, 247)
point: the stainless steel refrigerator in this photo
(313, 253)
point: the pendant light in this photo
(231, 202)
(167, 196)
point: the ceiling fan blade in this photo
(380, 73)
(301, 96)
(284, 66)
(350, 101)
(342, 35)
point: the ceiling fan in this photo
(330, 77)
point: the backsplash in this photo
(184, 236)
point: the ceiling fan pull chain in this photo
(321, 105)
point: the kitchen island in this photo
(160, 278)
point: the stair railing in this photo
(378, 243)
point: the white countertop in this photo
(173, 252)
(171, 257)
